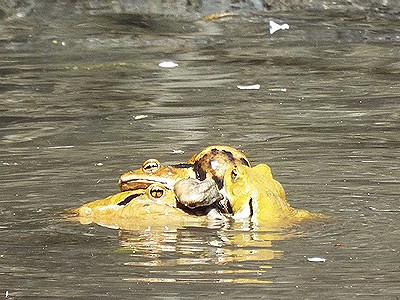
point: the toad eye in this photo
(156, 191)
(151, 165)
(234, 175)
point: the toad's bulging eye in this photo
(151, 165)
(234, 175)
(156, 191)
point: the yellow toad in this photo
(255, 195)
(154, 206)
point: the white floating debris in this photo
(249, 87)
(61, 147)
(274, 27)
(278, 90)
(99, 164)
(316, 259)
(139, 117)
(178, 152)
(10, 164)
(167, 64)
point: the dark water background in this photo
(326, 119)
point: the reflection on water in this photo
(159, 243)
(170, 256)
(326, 119)
(204, 255)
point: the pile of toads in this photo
(216, 184)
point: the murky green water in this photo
(326, 119)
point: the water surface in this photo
(326, 119)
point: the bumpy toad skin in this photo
(255, 195)
(137, 209)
